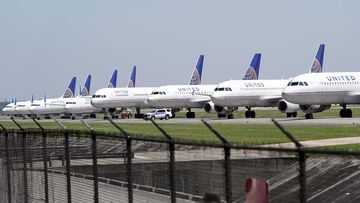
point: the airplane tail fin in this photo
(15, 101)
(196, 75)
(252, 72)
(132, 79)
(318, 61)
(32, 98)
(70, 91)
(86, 89)
(113, 80)
(44, 97)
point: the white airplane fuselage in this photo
(180, 96)
(256, 93)
(134, 97)
(23, 108)
(80, 105)
(324, 88)
(52, 106)
(9, 109)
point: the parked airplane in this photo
(316, 92)
(23, 108)
(10, 108)
(261, 93)
(317, 67)
(54, 106)
(194, 95)
(109, 99)
(81, 104)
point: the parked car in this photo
(125, 114)
(158, 114)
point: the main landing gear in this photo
(293, 114)
(345, 113)
(190, 114)
(249, 113)
(309, 116)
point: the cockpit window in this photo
(297, 84)
(220, 89)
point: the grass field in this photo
(274, 113)
(237, 134)
(248, 134)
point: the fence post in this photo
(7, 163)
(67, 159)
(44, 156)
(23, 145)
(171, 162)
(94, 157)
(129, 158)
(227, 164)
(302, 161)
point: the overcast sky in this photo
(44, 43)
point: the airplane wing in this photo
(271, 99)
(200, 101)
(354, 96)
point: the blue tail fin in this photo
(196, 75)
(252, 72)
(112, 83)
(15, 101)
(32, 98)
(132, 79)
(86, 89)
(70, 91)
(318, 61)
(44, 97)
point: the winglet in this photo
(318, 61)
(86, 89)
(252, 72)
(196, 75)
(70, 91)
(132, 79)
(112, 83)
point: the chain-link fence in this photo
(38, 165)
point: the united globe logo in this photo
(131, 84)
(68, 93)
(195, 79)
(316, 67)
(84, 92)
(250, 74)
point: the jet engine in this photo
(209, 107)
(287, 107)
(314, 108)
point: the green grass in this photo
(237, 134)
(273, 113)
